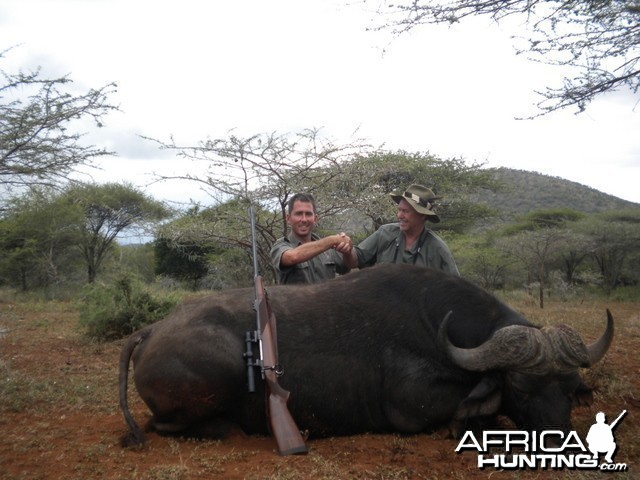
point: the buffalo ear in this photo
(582, 396)
(484, 400)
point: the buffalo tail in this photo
(135, 437)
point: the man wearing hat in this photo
(409, 240)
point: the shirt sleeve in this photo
(340, 264)
(447, 263)
(367, 250)
(279, 247)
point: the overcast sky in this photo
(194, 69)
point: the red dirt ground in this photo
(59, 414)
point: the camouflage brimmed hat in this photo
(421, 199)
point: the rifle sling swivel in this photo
(277, 369)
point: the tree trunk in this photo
(541, 283)
(91, 273)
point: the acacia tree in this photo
(598, 40)
(616, 239)
(452, 180)
(577, 249)
(480, 260)
(42, 230)
(108, 210)
(39, 139)
(203, 240)
(263, 170)
(36, 239)
(536, 239)
(350, 183)
(535, 249)
(267, 169)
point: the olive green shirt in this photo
(321, 267)
(386, 245)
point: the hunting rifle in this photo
(615, 422)
(283, 426)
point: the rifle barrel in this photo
(254, 242)
(615, 422)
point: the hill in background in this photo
(525, 191)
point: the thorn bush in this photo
(110, 312)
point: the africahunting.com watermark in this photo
(547, 449)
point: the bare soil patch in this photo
(59, 414)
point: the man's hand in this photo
(343, 243)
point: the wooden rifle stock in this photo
(283, 427)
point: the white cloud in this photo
(197, 68)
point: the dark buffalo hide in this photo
(367, 352)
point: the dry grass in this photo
(59, 413)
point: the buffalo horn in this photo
(556, 349)
(597, 349)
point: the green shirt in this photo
(321, 267)
(386, 245)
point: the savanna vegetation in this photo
(71, 286)
(55, 242)
(61, 238)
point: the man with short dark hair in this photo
(302, 256)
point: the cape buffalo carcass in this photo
(368, 352)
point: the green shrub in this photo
(112, 312)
